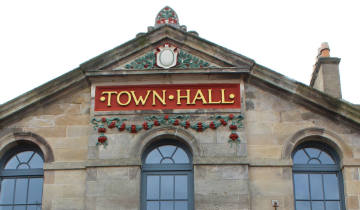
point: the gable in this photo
(168, 55)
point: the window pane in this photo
(326, 159)
(5, 207)
(35, 190)
(153, 157)
(152, 205)
(12, 163)
(316, 187)
(7, 191)
(22, 207)
(36, 161)
(23, 166)
(167, 187)
(302, 205)
(313, 152)
(166, 205)
(24, 157)
(34, 207)
(181, 187)
(317, 205)
(167, 161)
(21, 191)
(314, 161)
(181, 205)
(152, 187)
(331, 186)
(332, 205)
(300, 157)
(167, 151)
(180, 156)
(301, 186)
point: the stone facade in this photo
(278, 113)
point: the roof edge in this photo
(147, 39)
(41, 92)
(307, 93)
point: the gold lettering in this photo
(199, 96)
(128, 101)
(210, 98)
(223, 100)
(109, 93)
(187, 96)
(140, 99)
(156, 95)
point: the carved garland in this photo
(185, 60)
(232, 121)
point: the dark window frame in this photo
(167, 169)
(20, 173)
(319, 169)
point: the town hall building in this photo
(171, 121)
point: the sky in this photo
(43, 39)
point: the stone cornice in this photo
(34, 96)
(306, 95)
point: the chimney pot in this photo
(324, 50)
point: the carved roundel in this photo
(166, 56)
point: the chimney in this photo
(325, 76)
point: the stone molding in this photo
(318, 134)
(176, 133)
(13, 139)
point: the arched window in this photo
(167, 177)
(318, 182)
(21, 175)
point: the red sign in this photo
(184, 96)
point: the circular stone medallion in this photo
(167, 57)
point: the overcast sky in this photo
(41, 40)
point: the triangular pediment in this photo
(167, 47)
(182, 52)
(169, 55)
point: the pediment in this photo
(168, 54)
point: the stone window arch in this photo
(317, 177)
(167, 176)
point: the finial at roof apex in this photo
(167, 16)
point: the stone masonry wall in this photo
(272, 123)
(64, 124)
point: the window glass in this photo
(167, 173)
(316, 178)
(22, 181)
(167, 154)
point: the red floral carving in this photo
(233, 127)
(103, 119)
(231, 116)
(133, 129)
(122, 127)
(176, 122)
(199, 127)
(212, 125)
(145, 126)
(187, 124)
(223, 122)
(111, 125)
(166, 117)
(233, 136)
(156, 122)
(102, 139)
(101, 130)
